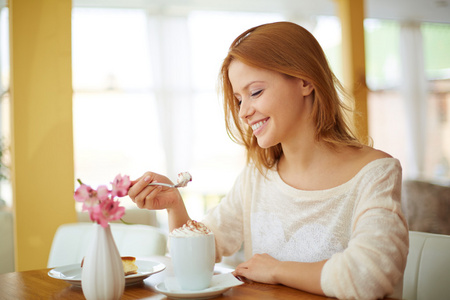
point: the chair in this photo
(132, 215)
(426, 206)
(71, 242)
(427, 272)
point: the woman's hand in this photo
(153, 197)
(266, 269)
(159, 197)
(258, 268)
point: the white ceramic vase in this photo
(102, 277)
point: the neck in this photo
(303, 156)
(306, 163)
(303, 150)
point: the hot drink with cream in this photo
(193, 253)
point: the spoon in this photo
(183, 179)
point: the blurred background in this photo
(144, 78)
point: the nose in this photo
(246, 109)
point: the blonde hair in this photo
(289, 49)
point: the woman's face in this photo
(272, 104)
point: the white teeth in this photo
(257, 125)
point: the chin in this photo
(264, 145)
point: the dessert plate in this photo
(72, 273)
(219, 284)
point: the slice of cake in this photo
(129, 265)
(128, 262)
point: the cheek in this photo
(295, 103)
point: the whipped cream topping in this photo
(184, 178)
(191, 228)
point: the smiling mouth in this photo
(259, 124)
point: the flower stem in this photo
(124, 222)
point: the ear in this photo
(307, 87)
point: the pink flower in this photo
(83, 193)
(86, 195)
(108, 210)
(120, 185)
(101, 203)
(102, 192)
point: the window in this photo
(437, 69)
(385, 105)
(409, 82)
(113, 107)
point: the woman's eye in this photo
(256, 93)
(239, 102)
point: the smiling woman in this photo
(308, 183)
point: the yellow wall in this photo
(351, 14)
(41, 113)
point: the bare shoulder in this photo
(352, 160)
(370, 154)
(360, 157)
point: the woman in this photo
(316, 209)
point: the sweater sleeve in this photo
(374, 261)
(226, 221)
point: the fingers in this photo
(242, 273)
(139, 184)
(141, 193)
(153, 197)
(241, 269)
(146, 199)
(241, 277)
(258, 268)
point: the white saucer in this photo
(72, 273)
(219, 285)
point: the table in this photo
(36, 284)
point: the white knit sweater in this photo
(358, 226)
